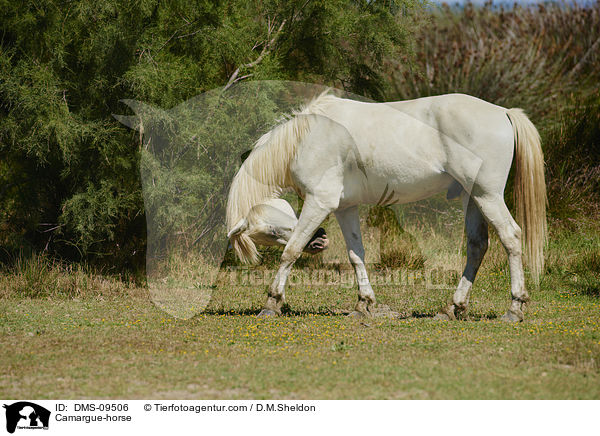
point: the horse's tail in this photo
(263, 175)
(530, 190)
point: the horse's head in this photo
(272, 223)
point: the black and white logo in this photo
(26, 415)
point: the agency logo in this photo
(26, 415)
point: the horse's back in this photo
(467, 120)
(456, 134)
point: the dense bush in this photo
(69, 172)
(573, 161)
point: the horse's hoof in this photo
(441, 317)
(446, 314)
(512, 316)
(266, 313)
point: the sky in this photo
(510, 2)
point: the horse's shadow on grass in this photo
(468, 317)
(287, 311)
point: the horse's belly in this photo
(386, 189)
(401, 189)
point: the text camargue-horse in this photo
(338, 153)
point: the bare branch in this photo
(264, 52)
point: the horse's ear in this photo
(239, 227)
(130, 121)
(142, 111)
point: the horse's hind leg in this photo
(476, 229)
(350, 225)
(495, 211)
(313, 214)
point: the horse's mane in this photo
(266, 171)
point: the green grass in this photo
(109, 345)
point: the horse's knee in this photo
(513, 246)
(517, 230)
(510, 236)
(290, 255)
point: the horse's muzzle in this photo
(318, 242)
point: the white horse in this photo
(273, 223)
(338, 153)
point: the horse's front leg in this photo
(312, 215)
(350, 225)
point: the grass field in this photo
(103, 341)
